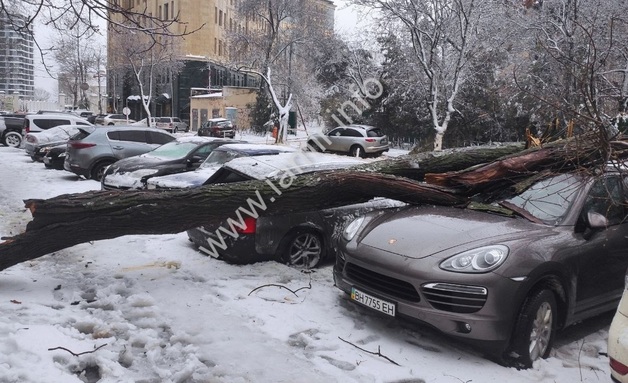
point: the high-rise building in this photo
(204, 54)
(17, 66)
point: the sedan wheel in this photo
(534, 333)
(304, 250)
(13, 139)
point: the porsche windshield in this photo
(549, 199)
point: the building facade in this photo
(203, 55)
(17, 65)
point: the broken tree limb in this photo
(415, 166)
(557, 156)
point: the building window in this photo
(166, 11)
(220, 48)
(160, 13)
(220, 18)
(215, 15)
(215, 45)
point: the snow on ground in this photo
(153, 309)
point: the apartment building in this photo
(17, 65)
(204, 54)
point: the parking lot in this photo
(153, 308)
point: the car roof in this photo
(256, 149)
(55, 130)
(299, 162)
(92, 128)
(217, 119)
(54, 115)
(204, 139)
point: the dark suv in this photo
(93, 149)
(217, 127)
(11, 130)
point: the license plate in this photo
(46, 160)
(384, 141)
(377, 304)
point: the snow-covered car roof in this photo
(257, 147)
(57, 133)
(299, 162)
(209, 167)
(201, 139)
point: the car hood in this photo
(186, 180)
(143, 161)
(423, 231)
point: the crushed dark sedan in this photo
(505, 276)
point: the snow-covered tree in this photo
(278, 34)
(445, 36)
(77, 60)
(578, 64)
(145, 59)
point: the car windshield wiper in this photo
(520, 211)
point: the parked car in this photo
(36, 123)
(92, 119)
(90, 151)
(505, 277)
(11, 130)
(58, 134)
(355, 140)
(213, 163)
(54, 155)
(217, 127)
(182, 155)
(113, 119)
(172, 124)
(617, 341)
(301, 240)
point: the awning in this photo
(162, 98)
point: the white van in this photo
(34, 123)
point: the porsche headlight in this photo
(352, 229)
(480, 260)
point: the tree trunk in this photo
(68, 220)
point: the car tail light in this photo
(31, 139)
(80, 145)
(27, 126)
(370, 140)
(618, 367)
(250, 223)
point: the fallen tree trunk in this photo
(68, 220)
